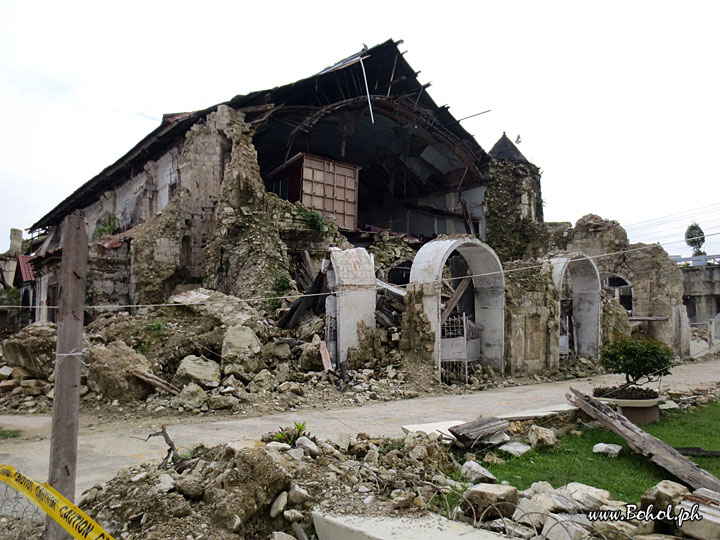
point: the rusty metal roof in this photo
(25, 267)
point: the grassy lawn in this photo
(9, 433)
(628, 475)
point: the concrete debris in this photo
(516, 449)
(109, 372)
(476, 473)
(32, 349)
(202, 371)
(190, 397)
(242, 347)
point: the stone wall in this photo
(108, 275)
(417, 338)
(532, 312)
(514, 211)
(656, 279)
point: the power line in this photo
(660, 218)
(365, 288)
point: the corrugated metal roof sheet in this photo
(26, 269)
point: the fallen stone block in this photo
(109, 372)
(566, 527)
(306, 444)
(530, 513)
(664, 493)
(540, 436)
(516, 449)
(491, 500)
(588, 497)
(611, 450)
(190, 397)
(707, 528)
(511, 529)
(201, 371)
(5, 373)
(476, 473)
(553, 502)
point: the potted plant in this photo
(642, 361)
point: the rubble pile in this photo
(234, 492)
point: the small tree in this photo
(637, 358)
(695, 238)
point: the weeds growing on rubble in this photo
(289, 435)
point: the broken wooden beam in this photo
(386, 319)
(645, 444)
(390, 288)
(291, 317)
(155, 381)
(325, 357)
(454, 299)
(471, 432)
(469, 227)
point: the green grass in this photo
(9, 433)
(627, 476)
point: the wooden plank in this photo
(385, 319)
(643, 443)
(325, 356)
(454, 299)
(471, 432)
(66, 403)
(307, 261)
(390, 288)
(156, 381)
(469, 228)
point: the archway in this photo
(578, 283)
(488, 285)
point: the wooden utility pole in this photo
(66, 402)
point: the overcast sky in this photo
(617, 102)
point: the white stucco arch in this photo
(488, 283)
(585, 297)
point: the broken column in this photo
(351, 277)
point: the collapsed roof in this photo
(369, 109)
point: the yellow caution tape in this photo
(69, 516)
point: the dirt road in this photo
(106, 448)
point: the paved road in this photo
(106, 449)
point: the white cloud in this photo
(615, 101)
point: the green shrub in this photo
(107, 227)
(637, 358)
(280, 286)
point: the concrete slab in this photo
(441, 428)
(544, 412)
(348, 527)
